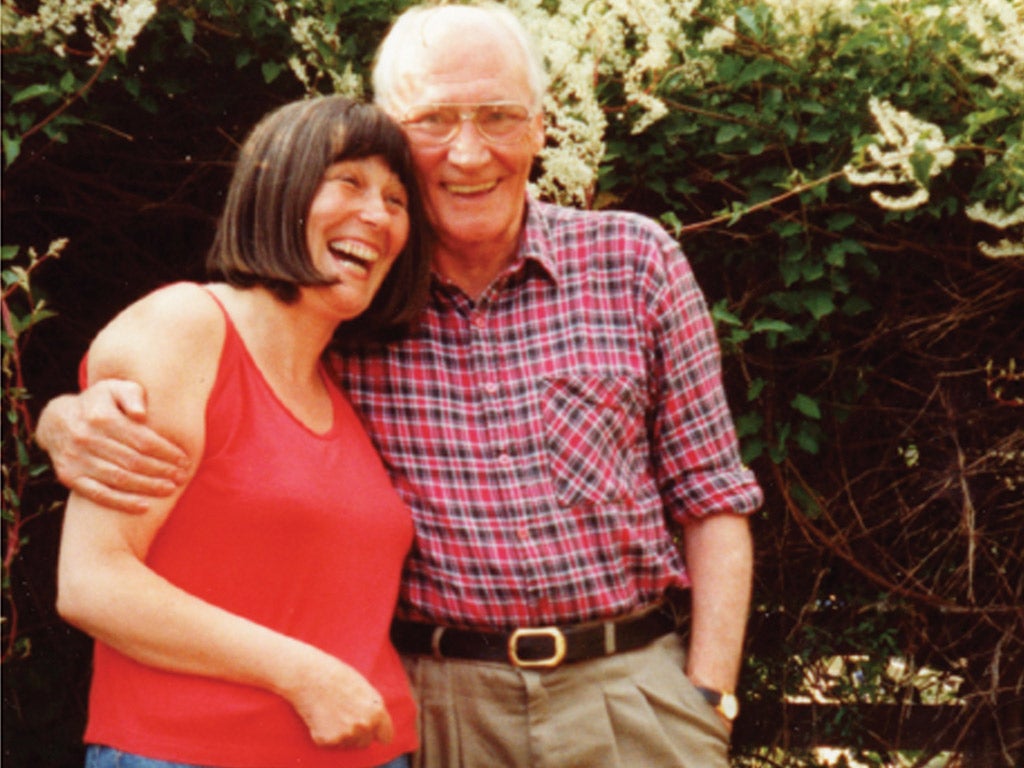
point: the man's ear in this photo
(537, 137)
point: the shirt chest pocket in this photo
(593, 427)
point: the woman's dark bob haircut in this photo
(261, 235)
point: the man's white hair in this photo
(417, 28)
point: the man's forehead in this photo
(463, 83)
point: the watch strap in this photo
(724, 702)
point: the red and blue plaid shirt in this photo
(549, 435)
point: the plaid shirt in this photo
(549, 435)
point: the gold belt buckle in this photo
(554, 660)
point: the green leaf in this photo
(789, 128)
(808, 443)
(737, 336)
(271, 70)
(812, 107)
(836, 253)
(749, 423)
(806, 405)
(788, 228)
(805, 501)
(22, 450)
(188, 29)
(790, 271)
(818, 303)
(68, 83)
(33, 92)
(977, 120)
(921, 162)
(684, 186)
(855, 305)
(763, 325)
(11, 148)
(729, 132)
(723, 316)
(754, 71)
(132, 86)
(751, 449)
(749, 19)
(812, 270)
(670, 221)
(755, 389)
(837, 222)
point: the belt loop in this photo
(435, 642)
(609, 638)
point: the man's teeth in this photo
(471, 189)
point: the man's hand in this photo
(101, 447)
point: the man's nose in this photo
(468, 146)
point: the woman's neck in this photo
(285, 340)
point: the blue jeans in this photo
(97, 756)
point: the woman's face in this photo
(358, 222)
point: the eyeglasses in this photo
(500, 122)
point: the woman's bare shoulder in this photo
(178, 320)
(170, 342)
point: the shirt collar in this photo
(536, 248)
(537, 244)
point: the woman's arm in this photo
(170, 342)
(106, 590)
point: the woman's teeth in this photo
(354, 253)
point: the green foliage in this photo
(22, 463)
(48, 79)
(753, 156)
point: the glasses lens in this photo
(439, 123)
(501, 122)
(435, 123)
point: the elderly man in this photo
(557, 425)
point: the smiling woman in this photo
(357, 223)
(196, 614)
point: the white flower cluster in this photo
(998, 26)
(1000, 219)
(889, 160)
(804, 19)
(722, 36)
(54, 21)
(630, 41)
(309, 28)
(131, 18)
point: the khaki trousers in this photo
(631, 710)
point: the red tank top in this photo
(298, 531)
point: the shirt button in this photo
(504, 459)
(479, 321)
(523, 534)
(491, 388)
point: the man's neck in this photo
(472, 271)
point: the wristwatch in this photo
(724, 702)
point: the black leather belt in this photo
(537, 647)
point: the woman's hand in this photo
(338, 705)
